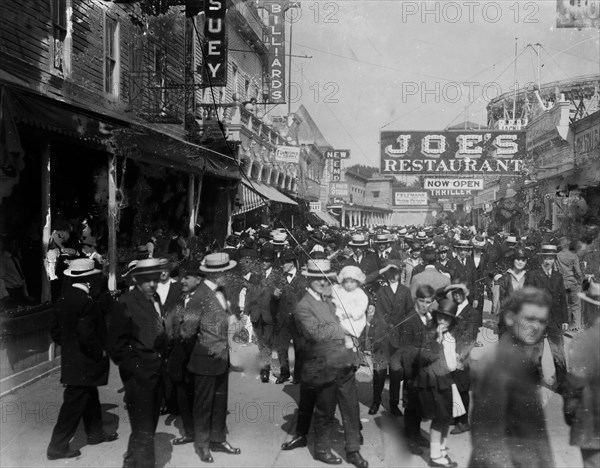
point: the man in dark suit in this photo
(138, 345)
(547, 278)
(393, 304)
(462, 268)
(207, 333)
(262, 300)
(80, 330)
(327, 370)
(363, 258)
(285, 329)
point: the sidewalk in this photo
(261, 417)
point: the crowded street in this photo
(270, 233)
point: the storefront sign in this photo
(512, 124)
(472, 152)
(410, 198)
(463, 184)
(337, 154)
(451, 193)
(315, 206)
(287, 154)
(214, 73)
(588, 142)
(577, 14)
(338, 189)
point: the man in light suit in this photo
(207, 335)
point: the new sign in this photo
(471, 152)
(410, 198)
(287, 154)
(214, 73)
(337, 154)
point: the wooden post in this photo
(191, 204)
(112, 222)
(46, 295)
(199, 195)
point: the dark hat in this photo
(443, 247)
(415, 246)
(457, 287)
(267, 253)
(190, 267)
(232, 240)
(518, 252)
(446, 307)
(264, 233)
(429, 253)
(288, 255)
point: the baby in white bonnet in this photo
(351, 303)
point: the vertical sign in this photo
(275, 40)
(214, 73)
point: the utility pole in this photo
(514, 112)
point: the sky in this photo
(401, 65)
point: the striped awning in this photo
(326, 218)
(255, 195)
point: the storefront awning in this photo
(256, 194)
(326, 218)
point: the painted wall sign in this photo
(470, 152)
(214, 73)
(410, 198)
(287, 154)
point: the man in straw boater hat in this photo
(582, 392)
(138, 344)
(79, 328)
(327, 375)
(547, 278)
(207, 336)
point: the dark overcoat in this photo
(553, 285)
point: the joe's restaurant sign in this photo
(472, 152)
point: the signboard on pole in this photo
(287, 154)
(214, 71)
(469, 152)
(410, 198)
(337, 154)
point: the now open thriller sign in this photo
(452, 152)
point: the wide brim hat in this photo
(148, 266)
(457, 287)
(358, 240)
(318, 268)
(510, 240)
(351, 272)
(443, 247)
(592, 295)
(216, 262)
(81, 267)
(267, 253)
(478, 242)
(402, 232)
(446, 307)
(288, 255)
(421, 235)
(190, 267)
(548, 250)
(463, 244)
(382, 239)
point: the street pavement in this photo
(261, 417)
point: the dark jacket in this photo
(412, 337)
(79, 328)
(173, 297)
(508, 425)
(290, 296)
(261, 304)
(433, 372)
(205, 324)
(390, 310)
(137, 338)
(321, 341)
(464, 273)
(369, 264)
(554, 286)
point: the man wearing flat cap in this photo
(138, 344)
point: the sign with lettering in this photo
(214, 71)
(462, 184)
(410, 198)
(470, 152)
(315, 206)
(338, 189)
(337, 154)
(287, 154)
(512, 124)
(588, 142)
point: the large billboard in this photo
(452, 153)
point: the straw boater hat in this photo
(510, 240)
(592, 295)
(318, 269)
(463, 244)
(421, 236)
(279, 238)
(81, 267)
(478, 242)
(358, 240)
(382, 239)
(402, 232)
(548, 250)
(216, 262)
(148, 266)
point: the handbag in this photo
(458, 407)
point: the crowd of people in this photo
(405, 303)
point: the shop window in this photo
(375, 194)
(111, 56)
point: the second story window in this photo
(376, 194)
(59, 32)
(111, 56)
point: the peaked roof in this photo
(307, 131)
(468, 125)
